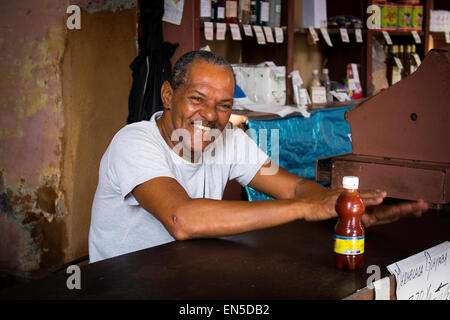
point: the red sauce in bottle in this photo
(349, 231)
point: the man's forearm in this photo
(199, 218)
(307, 188)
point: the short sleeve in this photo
(134, 158)
(248, 157)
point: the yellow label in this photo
(349, 245)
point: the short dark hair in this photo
(178, 75)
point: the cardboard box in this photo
(314, 13)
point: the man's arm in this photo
(186, 218)
(324, 199)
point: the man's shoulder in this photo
(137, 131)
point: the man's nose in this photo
(209, 112)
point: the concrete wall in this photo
(63, 94)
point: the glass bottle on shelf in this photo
(406, 62)
(396, 72)
(231, 7)
(413, 63)
(263, 12)
(220, 11)
(316, 91)
(205, 10)
(253, 12)
(325, 81)
(244, 12)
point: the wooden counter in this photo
(292, 261)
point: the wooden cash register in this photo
(401, 137)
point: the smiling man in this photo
(152, 191)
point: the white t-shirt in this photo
(138, 153)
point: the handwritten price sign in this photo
(424, 276)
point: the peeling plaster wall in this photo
(63, 94)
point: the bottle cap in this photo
(350, 182)
(315, 71)
(325, 71)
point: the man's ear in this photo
(166, 95)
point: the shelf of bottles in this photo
(261, 19)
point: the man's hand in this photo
(376, 215)
(325, 200)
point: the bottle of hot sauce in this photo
(349, 231)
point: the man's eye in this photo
(196, 99)
(225, 106)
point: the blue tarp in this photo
(301, 141)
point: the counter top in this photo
(291, 261)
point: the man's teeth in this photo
(202, 127)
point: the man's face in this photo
(202, 104)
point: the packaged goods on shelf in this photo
(261, 84)
(314, 13)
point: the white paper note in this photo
(235, 32)
(344, 34)
(417, 59)
(358, 35)
(173, 11)
(382, 289)
(313, 33)
(398, 62)
(387, 37)
(247, 30)
(326, 36)
(416, 37)
(447, 37)
(268, 33)
(259, 35)
(279, 35)
(425, 275)
(209, 30)
(221, 28)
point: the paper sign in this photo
(447, 37)
(235, 32)
(344, 34)
(416, 37)
(247, 30)
(209, 31)
(417, 59)
(279, 35)
(382, 289)
(268, 33)
(387, 37)
(259, 34)
(358, 35)
(326, 36)
(313, 33)
(220, 31)
(425, 275)
(398, 62)
(173, 11)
